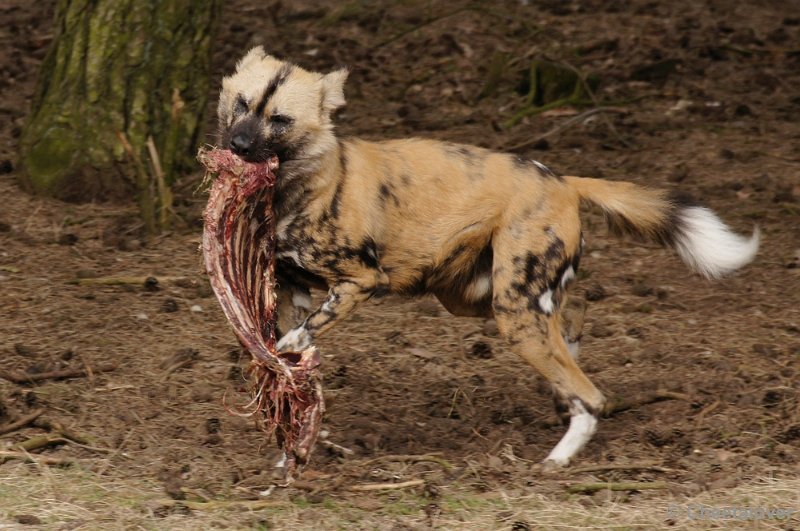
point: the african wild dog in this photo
(489, 234)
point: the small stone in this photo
(6, 167)
(635, 332)
(28, 519)
(772, 399)
(315, 497)
(204, 290)
(642, 289)
(213, 440)
(784, 195)
(213, 425)
(195, 308)
(743, 110)
(184, 357)
(679, 174)
(151, 284)
(169, 306)
(600, 330)
(24, 350)
(173, 486)
(129, 244)
(429, 307)
(202, 393)
(87, 273)
(595, 293)
(5, 227)
(480, 350)
(764, 350)
(142, 316)
(68, 238)
(490, 328)
(542, 144)
(726, 154)
(236, 374)
(37, 368)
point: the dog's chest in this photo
(309, 245)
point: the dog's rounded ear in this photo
(333, 89)
(254, 55)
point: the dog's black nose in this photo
(241, 144)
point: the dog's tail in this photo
(701, 239)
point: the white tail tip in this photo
(708, 246)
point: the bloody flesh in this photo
(239, 251)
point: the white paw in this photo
(295, 340)
(551, 465)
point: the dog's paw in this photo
(295, 340)
(552, 466)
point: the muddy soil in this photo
(709, 102)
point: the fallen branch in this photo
(223, 505)
(342, 451)
(6, 455)
(588, 488)
(386, 486)
(623, 404)
(698, 420)
(24, 421)
(564, 126)
(39, 441)
(123, 280)
(22, 378)
(476, 7)
(411, 459)
(58, 428)
(619, 466)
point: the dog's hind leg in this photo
(537, 339)
(573, 312)
(528, 289)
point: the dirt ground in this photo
(711, 99)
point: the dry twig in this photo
(123, 281)
(386, 486)
(6, 455)
(61, 430)
(21, 378)
(619, 466)
(24, 421)
(566, 125)
(223, 505)
(411, 459)
(587, 488)
(623, 404)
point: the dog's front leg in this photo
(342, 299)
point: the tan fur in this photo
(488, 233)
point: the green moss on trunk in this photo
(136, 67)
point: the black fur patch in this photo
(386, 192)
(368, 254)
(528, 164)
(666, 233)
(272, 86)
(536, 274)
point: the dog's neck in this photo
(304, 182)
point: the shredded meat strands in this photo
(239, 251)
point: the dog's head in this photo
(272, 107)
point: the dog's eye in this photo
(240, 107)
(280, 119)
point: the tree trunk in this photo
(118, 72)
